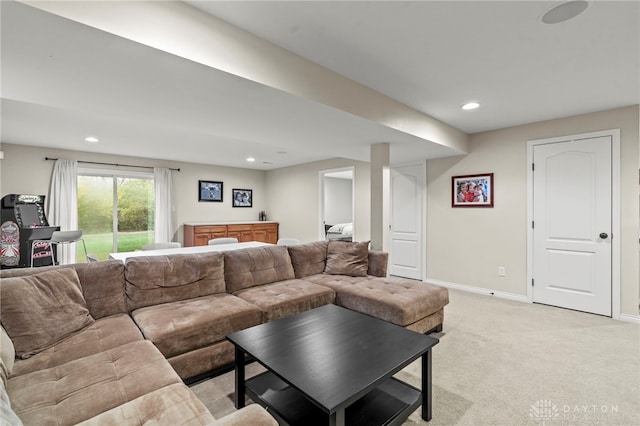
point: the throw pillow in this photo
(345, 258)
(40, 310)
(309, 258)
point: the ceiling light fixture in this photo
(91, 139)
(470, 105)
(251, 159)
(564, 11)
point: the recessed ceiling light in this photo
(91, 139)
(251, 159)
(470, 105)
(564, 11)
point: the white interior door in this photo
(406, 242)
(572, 224)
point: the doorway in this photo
(337, 204)
(573, 254)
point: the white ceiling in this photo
(437, 55)
(62, 80)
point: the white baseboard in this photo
(629, 318)
(510, 296)
(480, 290)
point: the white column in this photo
(380, 196)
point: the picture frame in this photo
(242, 197)
(210, 191)
(472, 190)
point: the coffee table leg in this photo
(337, 418)
(426, 386)
(240, 385)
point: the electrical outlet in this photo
(502, 271)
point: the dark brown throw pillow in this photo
(40, 310)
(345, 258)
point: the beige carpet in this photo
(509, 363)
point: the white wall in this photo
(294, 198)
(24, 170)
(466, 246)
(338, 196)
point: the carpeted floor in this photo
(510, 363)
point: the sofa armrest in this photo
(378, 263)
(253, 415)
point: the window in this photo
(115, 211)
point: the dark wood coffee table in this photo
(333, 366)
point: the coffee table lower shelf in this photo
(388, 404)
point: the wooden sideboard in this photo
(200, 234)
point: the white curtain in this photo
(163, 221)
(63, 204)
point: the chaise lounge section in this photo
(358, 277)
(115, 343)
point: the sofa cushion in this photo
(198, 361)
(103, 287)
(80, 389)
(309, 258)
(183, 326)
(152, 280)
(286, 298)
(172, 405)
(335, 281)
(40, 310)
(397, 300)
(346, 258)
(256, 266)
(104, 334)
(102, 284)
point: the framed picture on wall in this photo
(472, 190)
(209, 191)
(242, 197)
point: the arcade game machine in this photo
(23, 220)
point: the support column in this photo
(380, 196)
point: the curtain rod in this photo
(111, 164)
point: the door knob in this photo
(604, 235)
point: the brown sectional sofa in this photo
(113, 343)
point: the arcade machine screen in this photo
(28, 215)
